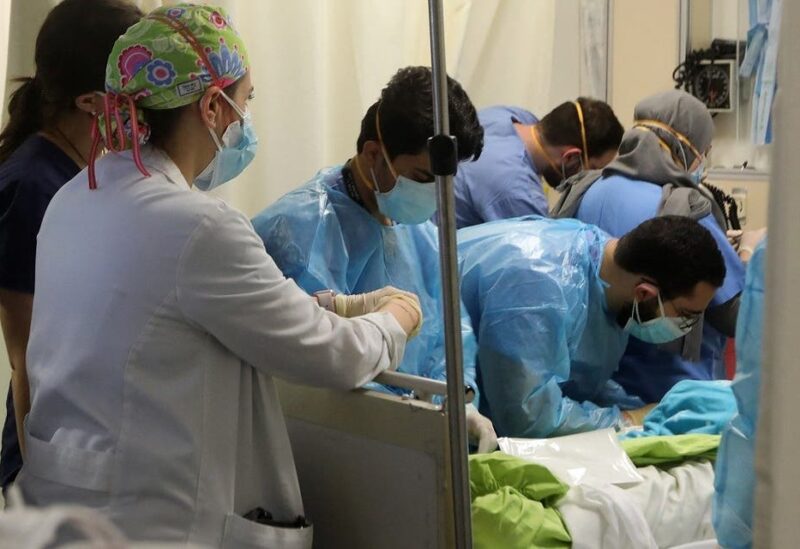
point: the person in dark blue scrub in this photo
(658, 172)
(45, 143)
(519, 149)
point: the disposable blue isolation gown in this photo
(735, 475)
(322, 239)
(547, 346)
(617, 205)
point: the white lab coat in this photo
(158, 321)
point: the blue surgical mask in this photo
(234, 152)
(662, 329)
(409, 202)
(697, 175)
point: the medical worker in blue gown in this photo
(735, 473)
(659, 171)
(554, 301)
(520, 151)
(365, 224)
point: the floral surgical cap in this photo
(165, 61)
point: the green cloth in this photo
(662, 450)
(167, 60)
(512, 504)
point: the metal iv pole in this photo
(444, 160)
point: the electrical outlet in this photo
(740, 196)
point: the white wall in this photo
(644, 51)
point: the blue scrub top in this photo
(503, 182)
(617, 205)
(323, 239)
(29, 179)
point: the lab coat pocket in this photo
(241, 533)
(68, 465)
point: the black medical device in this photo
(710, 74)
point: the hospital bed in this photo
(374, 468)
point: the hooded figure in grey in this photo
(642, 156)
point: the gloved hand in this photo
(749, 241)
(409, 303)
(350, 306)
(480, 430)
(636, 417)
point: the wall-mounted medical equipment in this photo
(710, 75)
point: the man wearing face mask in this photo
(553, 303)
(659, 172)
(520, 149)
(363, 225)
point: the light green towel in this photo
(671, 449)
(512, 504)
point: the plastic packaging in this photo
(595, 458)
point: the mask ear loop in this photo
(380, 139)
(360, 170)
(563, 163)
(649, 124)
(585, 150)
(661, 305)
(635, 313)
(236, 108)
(538, 142)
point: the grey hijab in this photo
(640, 153)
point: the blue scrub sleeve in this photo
(734, 268)
(523, 196)
(524, 357)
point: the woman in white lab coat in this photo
(159, 319)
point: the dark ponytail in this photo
(72, 49)
(24, 108)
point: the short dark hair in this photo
(562, 127)
(675, 251)
(406, 116)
